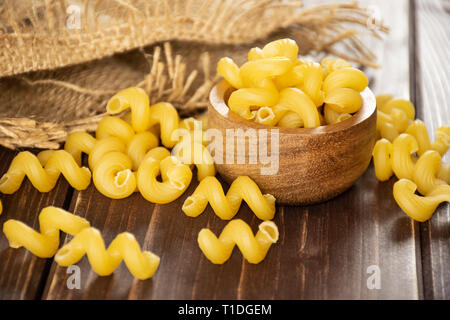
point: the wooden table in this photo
(326, 251)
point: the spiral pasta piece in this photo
(103, 147)
(402, 162)
(210, 191)
(291, 120)
(255, 54)
(296, 100)
(242, 100)
(135, 99)
(417, 207)
(113, 177)
(312, 75)
(79, 142)
(254, 72)
(401, 104)
(329, 64)
(281, 48)
(332, 116)
(292, 78)
(175, 177)
(403, 147)
(44, 178)
(426, 171)
(382, 162)
(45, 243)
(345, 78)
(230, 72)
(237, 232)
(343, 100)
(442, 142)
(382, 99)
(139, 146)
(142, 264)
(166, 116)
(114, 127)
(419, 131)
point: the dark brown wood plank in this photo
(22, 275)
(431, 81)
(323, 252)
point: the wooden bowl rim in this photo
(216, 99)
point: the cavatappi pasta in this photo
(405, 150)
(226, 206)
(137, 100)
(274, 83)
(175, 177)
(44, 176)
(142, 264)
(417, 207)
(44, 244)
(237, 232)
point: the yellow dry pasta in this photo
(343, 100)
(382, 99)
(103, 147)
(138, 146)
(290, 120)
(345, 78)
(135, 99)
(442, 141)
(255, 54)
(417, 207)
(312, 75)
(1, 207)
(113, 175)
(398, 158)
(296, 100)
(166, 116)
(210, 191)
(382, 153)
(403, 148)
(426, 171)
(44, 176)
(237, 232)
(79, 142)
(401, 104)
(175, 177)
(230, 72)
(281, 48)
(44, 244)
(242, 100)
(332, 117)
(114, 127)
(330, 64)
(142, 264)
(292, 78)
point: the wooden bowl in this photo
(314, 164)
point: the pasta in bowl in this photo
(296, 165)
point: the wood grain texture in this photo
(23, 275)
(431, 81)
(308, 165)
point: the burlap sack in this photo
(60, 60)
